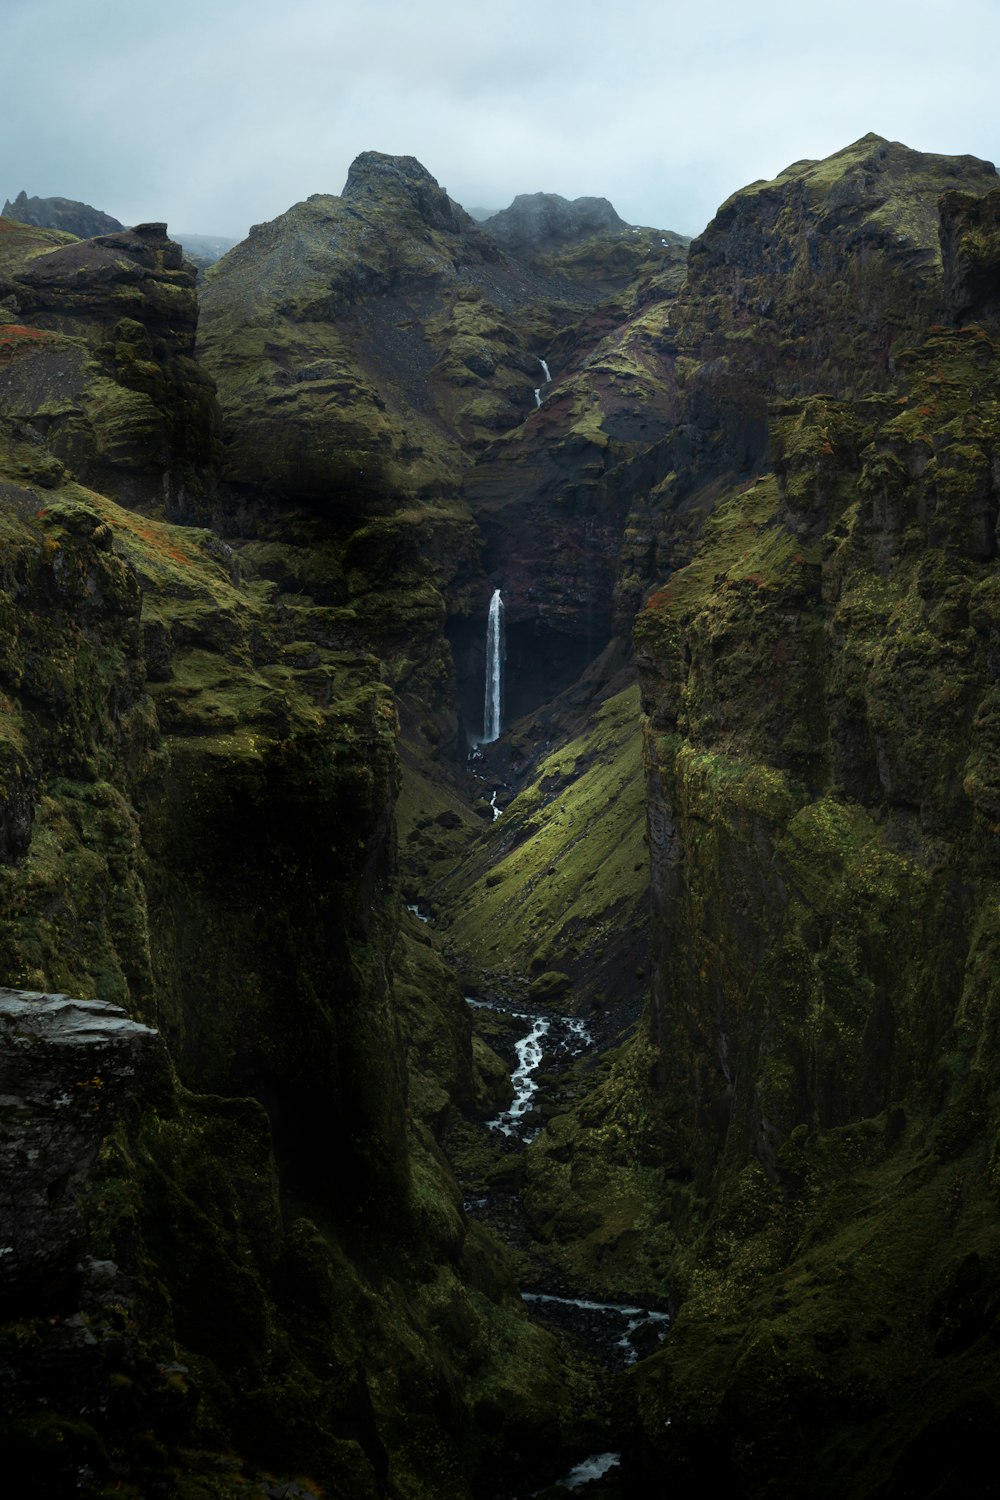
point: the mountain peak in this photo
(401, 180)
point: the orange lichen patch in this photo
(17, 339)
(158, 539)
(22, 330)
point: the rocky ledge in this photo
(67, 1068)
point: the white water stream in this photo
(591, 1468)
(637, 1320)
(635, 1326)
(569, 1037)
(547, 381)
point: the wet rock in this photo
(67, 1069)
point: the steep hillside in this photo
(819, 691)
(235, 1254)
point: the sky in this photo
(217, 114)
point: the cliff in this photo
(98, 365)
(819, 686)
(253, 1256)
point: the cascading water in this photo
(545, 382)
(494, 670)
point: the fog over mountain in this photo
(218, 117)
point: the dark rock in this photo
(541, 221)
(970, 247)
(60, 213)
(67, 1070)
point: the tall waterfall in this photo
(545, 371)
(494, 670)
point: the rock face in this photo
(819, 686)
(536, 222)
(187, 743)
(61, 213)
(97, 343)
(67, 1070)
(970, 245)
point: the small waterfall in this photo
(547, 381)
(494, 670)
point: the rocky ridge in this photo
(78, 219)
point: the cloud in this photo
(217, 114)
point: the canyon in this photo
(499, 811)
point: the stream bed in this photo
(619, 1333)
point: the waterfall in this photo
(494, 670)
(546, 381)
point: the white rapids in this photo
(569, 1034)
(635, 1319)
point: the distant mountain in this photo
(61, 213)
(542, 221)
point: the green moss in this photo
(570, 859)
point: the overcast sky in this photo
(216, 114)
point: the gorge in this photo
(481, 857)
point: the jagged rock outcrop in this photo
(60, 213)
(96, 363)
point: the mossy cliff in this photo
(804, 285)
(97, 363)
(819, 694)
(269, 1272)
